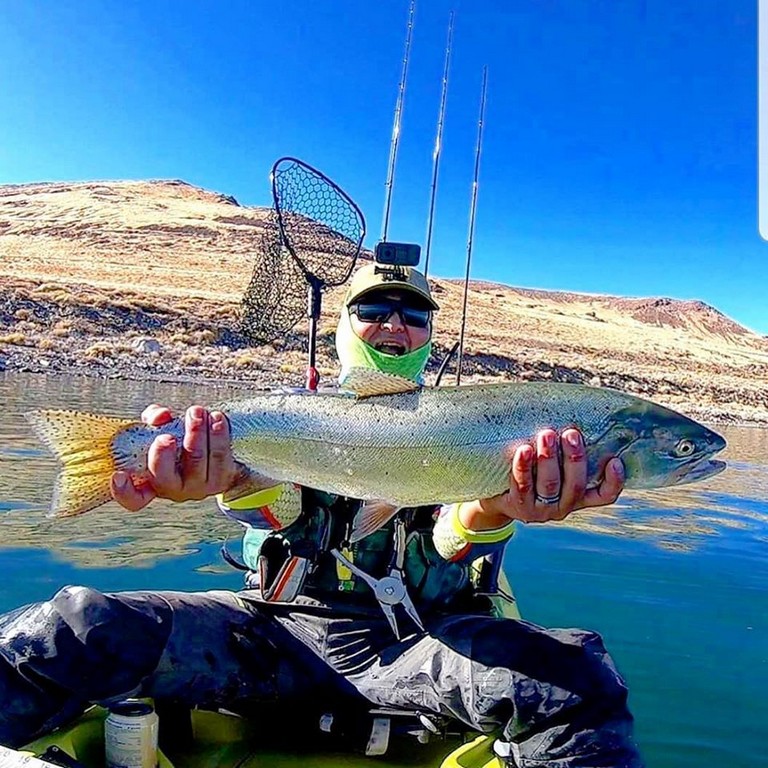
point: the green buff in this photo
(353, 352)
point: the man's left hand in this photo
(540, 490)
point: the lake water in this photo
(676, 581)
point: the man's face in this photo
(395, 334)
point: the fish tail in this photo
(83, 444)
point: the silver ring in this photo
(548, 499)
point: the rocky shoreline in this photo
(119, 342)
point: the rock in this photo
(146, 345)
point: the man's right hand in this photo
(206, 466)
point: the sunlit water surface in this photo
(676, 581)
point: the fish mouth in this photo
(717, 443)
(700, 471)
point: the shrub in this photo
(16, 339)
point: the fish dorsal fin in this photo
(364, 382)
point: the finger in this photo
(156, 415)
(129, 496)
(221, 463)
(521, 488)
(194, 455)
(163, 468)
(574, 471)
(548, 475)
(608, 491)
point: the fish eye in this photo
(684, 448)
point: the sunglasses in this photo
(380, 311)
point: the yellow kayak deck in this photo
(226, 741)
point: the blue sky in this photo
(620, 147)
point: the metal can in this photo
(130, 735)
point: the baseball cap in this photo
(374, 276)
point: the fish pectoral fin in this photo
(364, 382)
(249, 481)
(370, 517)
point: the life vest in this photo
(298, 558)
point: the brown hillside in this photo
(91, 274)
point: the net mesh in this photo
(314, 233)
(276, 296)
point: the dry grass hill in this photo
(93, 274)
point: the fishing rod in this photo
(444, 365)
(438, 145)
(393, 147)
(472, 213)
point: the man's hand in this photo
(539, 490)
(206, 466)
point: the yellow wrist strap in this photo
(492, 536)
(261, 498)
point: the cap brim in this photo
(396, 286)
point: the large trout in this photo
(388, 441)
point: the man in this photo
(393, 620)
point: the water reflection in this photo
(676, 519)
(109, 536)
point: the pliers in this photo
(389, 591)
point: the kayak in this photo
(221, 740)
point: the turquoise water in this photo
(676, 581)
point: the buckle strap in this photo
(286, 584)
